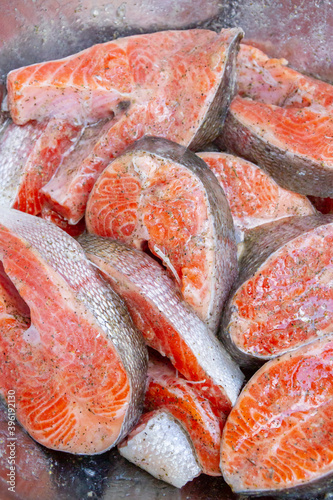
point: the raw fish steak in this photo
(164, 319)
(161, 193)
(29, 156)
(160, 446)
(271, 81)
(278, 438)
(282, 121)
(253, 196)
(79, 369)
(168, 392)
(283, 297)
(294, 145)
(58, 191)
(94, 83)
(173, 84)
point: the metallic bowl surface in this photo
(37, 30)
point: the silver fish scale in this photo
(164, 449)
(14, 150)
(61, 252)
(155, 285)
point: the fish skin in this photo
(254, 197)
(277, 439)
(277, 314)
(160, 446)
(217, 110)
(168, 392)
(16, 145)
(209, 240)
(180, 86)
(29, 156)
(56, 263)
(4, 116)
(280, 140)
(165, 321)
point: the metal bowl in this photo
(37, 30)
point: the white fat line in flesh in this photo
(32, 76)
(125, 95)
(275, 421)
(75, 141)
(5, 316)
(144, 176)
(196, 381)
(266, 76)
(167, 262)
(249, 222)
(278, 445)
(32, 336)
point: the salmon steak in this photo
(167, 324)
(161, 446)
(95, 83)
(278, 437)
(168, 392)
(173, 84)
(294, 145)
(271, 81)
(161, 193)
(282, 121)
(78, 368)
(29, 156)
(254, 197)
(58, 191)
(283, 297)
